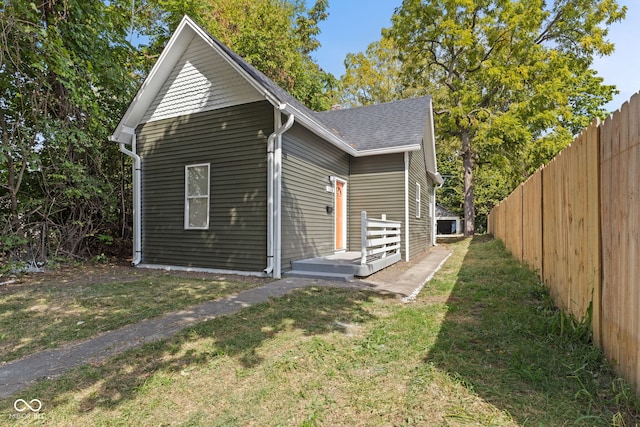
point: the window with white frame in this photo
(196, 191)
(418, 203)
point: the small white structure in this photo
(447, 222)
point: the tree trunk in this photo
(467, 166)
(13, 188)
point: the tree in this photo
(375, 76)
(510, 72)
(59, 98)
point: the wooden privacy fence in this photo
(577, 222)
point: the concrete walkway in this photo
(409, 284)
(17, 375)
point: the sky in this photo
(353, 24)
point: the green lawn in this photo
(480, 346)
(46, 311)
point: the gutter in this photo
(437, 178)
(274, 193)
(137, 245)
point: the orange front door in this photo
(341, 215)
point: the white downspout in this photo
(137, 245)
(434, 225)
(406, 206)
(274, 190)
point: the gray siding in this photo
(376, 186)
(307, 163)
(233, 141)
(420, 229)
(200, 81)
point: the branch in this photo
(545, 33)
(488, 53)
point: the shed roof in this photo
(442, 212)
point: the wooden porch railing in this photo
(379, 237)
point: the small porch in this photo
(380, 248)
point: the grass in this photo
(480, 346)
(59, 309)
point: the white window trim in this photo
(418, 201)
(187, 197)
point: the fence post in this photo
(363, 237)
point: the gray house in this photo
(233, 175)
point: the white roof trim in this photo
(388, 150)
(174, 49)
(152, 84)
(429, 142)
(177, 45)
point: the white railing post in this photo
(384, 236)
(379, 236)
(363, 237)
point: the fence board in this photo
(577, 221)
(633, 252)
(549, 232)
(592, 234)
(620, 177)
(513, 223)
(532, 222)
(610, 241)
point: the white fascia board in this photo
(388, 150)
(152, 84)
(127, 132)
(429, 142)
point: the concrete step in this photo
(325, 266)
(322, 275)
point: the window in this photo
(418, 204)
(196, 206)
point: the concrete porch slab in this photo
(341, 263)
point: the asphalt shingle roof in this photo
(389, 125)
(392, 124)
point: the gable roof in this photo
(393, 127)
(392, 124)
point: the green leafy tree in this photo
(510, 73)
(60, 95)
(375, 76)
